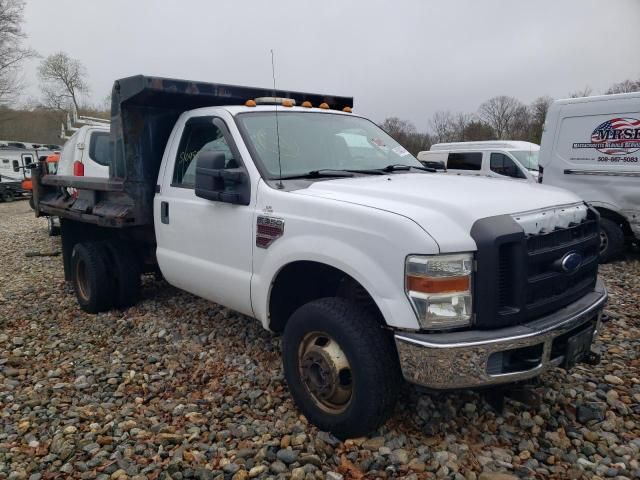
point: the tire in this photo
(611, 240)
(373, 375)
(90, 277)
(126, 272)
(8, 196)
(52, 228)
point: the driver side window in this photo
(199, 135)
(503, 165)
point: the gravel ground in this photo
(177, 387)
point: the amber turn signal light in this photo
(437, 285)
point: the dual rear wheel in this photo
(105, 275)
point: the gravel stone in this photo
(180, 388)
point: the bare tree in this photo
(585, 92)
(62, 81)
(443, 127)
(537, 115)
(12, 52)
(500, 113)
(462, 122)
(478, 130)
(626, 86)
(405, 134)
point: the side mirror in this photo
(437, 164)
(220, 184)
(16, 166)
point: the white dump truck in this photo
(291, 209)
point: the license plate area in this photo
(578, 347)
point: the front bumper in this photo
(487, 357)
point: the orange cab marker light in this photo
(287, 103)
(306, 104)
(250, 103)
(324, 106)
(347, 109)
(437, 285)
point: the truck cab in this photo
(292, 210)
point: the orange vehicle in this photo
(52, 168)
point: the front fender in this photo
(383, 278)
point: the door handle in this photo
(164, 212)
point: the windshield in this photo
(319, 141)
(528, 158)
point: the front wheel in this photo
(341, 367)
(611, 240)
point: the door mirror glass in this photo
(16, 166)
(214, 180)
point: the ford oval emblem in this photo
(571, 262)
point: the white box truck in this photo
(591, 146)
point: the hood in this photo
(445, 206)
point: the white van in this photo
(492, 158)
(86, 153)
(591, 146)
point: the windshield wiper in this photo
(325, 172)
(395, 167)
(350, 172)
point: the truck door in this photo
(204, 246)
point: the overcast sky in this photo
(396, 58)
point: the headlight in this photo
(439, 288)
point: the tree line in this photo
(64, 86)
(499, 118)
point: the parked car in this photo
(501, 159)
(591, 146)
(373, 267)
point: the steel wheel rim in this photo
(325, 372)
(81, 280)
(604, 242)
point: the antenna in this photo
(273, 74)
